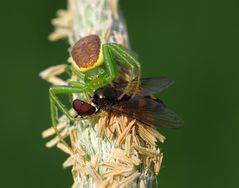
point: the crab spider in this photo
(95, 65)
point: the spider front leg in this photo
(56, 104)
(125, 58)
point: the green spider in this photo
(95, 65)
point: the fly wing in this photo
(148, 86)
(148, 111)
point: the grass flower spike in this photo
(110, 131)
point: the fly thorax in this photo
(105, 96)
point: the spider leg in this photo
(76, 72)
(109, 63)
(125, 58)
(56, 104)
(54, 90)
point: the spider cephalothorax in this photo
(105, 96)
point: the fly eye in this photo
(77, 104)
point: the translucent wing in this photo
(148, 111)
(148, 86)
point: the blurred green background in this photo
(194, 43)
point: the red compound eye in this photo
(83, 108)
(77, 105)
(86, 107)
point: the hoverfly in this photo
(143, 107)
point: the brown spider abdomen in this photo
(86, 51)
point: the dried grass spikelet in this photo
(135, 143)
(63, 129)
(134, 155)
(75, 22)
(63, 24)
(51, 74)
